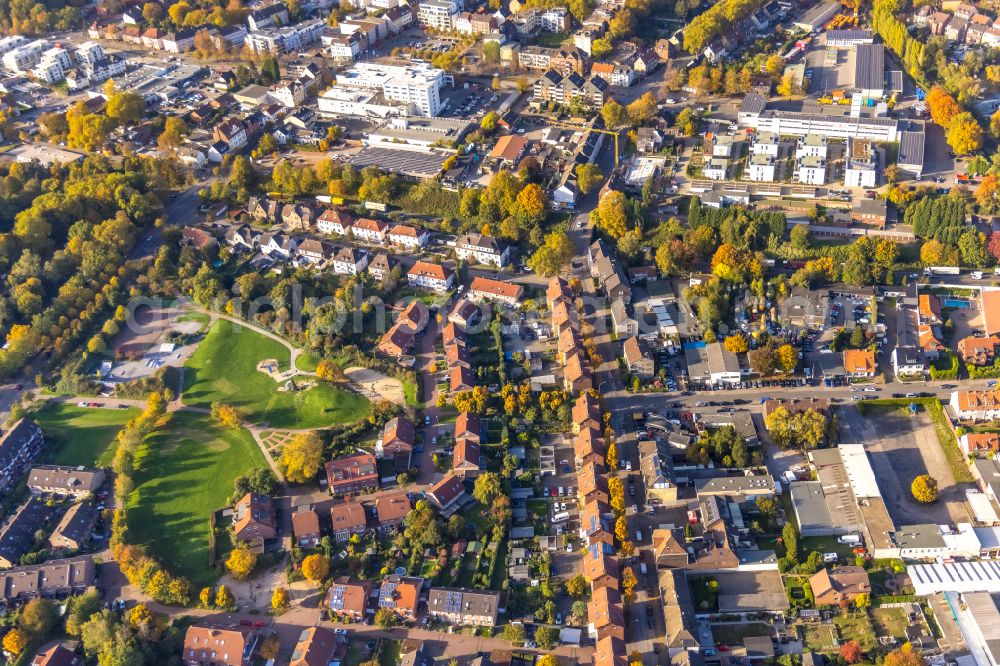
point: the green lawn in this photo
(81, 435)
(890, 622)
(307, 362)
(183, 473)
(224, 369)
(819, 637)
(856, 626)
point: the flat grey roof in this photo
(753, 103)
(817, 12)
(407, 162)
(927, 535)
(869, 67)
(911, 148)
(842, 119)
(848, 34)
(810, 507)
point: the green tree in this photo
(487, 488)
(546, 637)
(550, 258)
(386, 618)
(588, 177)
(790, 538)
(514, 633)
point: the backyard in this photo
(184, 472)
(80, 435)
(224, 369)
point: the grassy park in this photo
(184, 472)
(81, 435)
(224, 369)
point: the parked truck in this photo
(942, 270)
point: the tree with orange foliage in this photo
(905, 655)
(942, 106)
(850, 651)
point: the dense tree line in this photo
(64, 254)
(940, 218)
(21, 17)
(894, 33)
(717, 20)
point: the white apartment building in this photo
(722, 146)
(89, 53)
(350, 261)
(860, 170)
(556, 19)
(811, 145)
(290, 95)
(437, 14)
(53, 65)
(285, 40)
(761, 168)
(810, 170)
(338, 102)
(715, 168)
(430, 276)
(370, 231)
(344, 47)
(418, 85)
(764, 143)
(8, 44)
(482, 250)
(753, 113)
(26, 56)
(859, 174)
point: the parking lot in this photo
(903, 447)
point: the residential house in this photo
(469, 426)
(621, 318)
(842, 584)
(586, 413)
(348, 518)
(929, 308)
(576, 375)
(242, 237)
(19, 445)
(461, 377)
(400, 337)
(466, 459)
(382, 265)
(350, 260)
(391, 510)
(507, 293)
(218, 645)
(398, 440)
(606, 614)
(232, 132)
(430, 276)
(407, 236)
(277, 245)
(305, 527)
(610, 651)
(17, 533)
(588, 446)
(67, 481)
(979, 444)
(353, 474)
(400, 594)
(447, 493)
(370, 231)
(638, 358)
(648, 140)
(74, 529)
(599, 568)
(333, 221)
(314, 251)
(297, 216)
(57, 655)
(979, 351)
(465, 313)
(316, 646)
(348, 598)
(859, 363)
(596, 525)
(481, 249)
(975, 405)
(197, 238)
(54, 578)
(592, 480)
(254, 520)
(478, 608)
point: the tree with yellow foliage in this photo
(140, 615)
(788, 357)
(227, 415)
(924, 489)
(15, 640)
(205, 597)
(224, 599)
(329, 371)
(964, 134)
(621, 529)
(737, 343)
(316, 568)
(905, 655)
(241, 562)
(302, 457)
(279, 599)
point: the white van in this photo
(830, 557)
(560, 517)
